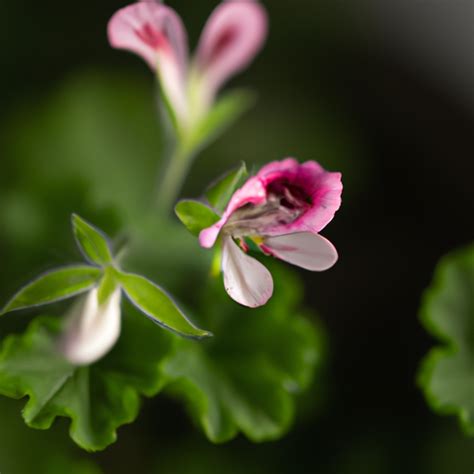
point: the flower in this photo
(281, 210)
(232, 36)
(92, 328)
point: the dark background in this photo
(384, 93)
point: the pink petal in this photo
(252, 192)
(323, 187)
(304, 249)
(246, 280)
(156, 33)
(91, 330)
(287, 164)
(208, 237)
(232, 37)
(148, 29)
(326, 196)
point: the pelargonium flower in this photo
(282, 210)
(231, 38)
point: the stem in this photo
(171, 181)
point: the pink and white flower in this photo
(282, 210)
(231, 38)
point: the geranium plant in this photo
(93, 363)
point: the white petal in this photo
(91, 330)
(246, 280)
(303, 249)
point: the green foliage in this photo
(223, 114)
(54, 286)
(97, 399)
(195, 215)
(157, 305)
(91, 241)
(220, 192)
(108, 284)
(246, 378)
(447, 373)
(84, 136)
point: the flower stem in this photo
(172, 178)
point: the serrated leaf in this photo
(447, 373)
(158, 306)
(222, 115)
(53, 286)
(91, 241)
(98, 399)
(195, 215)
(220, 192)
(246, 378)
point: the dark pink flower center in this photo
(285, 203)
(152, 37)
(290, 195)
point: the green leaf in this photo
(447, 374)
(224, 113)
(247, 377)
(91, 241)
(220, 192)
(98, 399)
(195, 215)
(108, 284)
(53, 286)
(158, 306)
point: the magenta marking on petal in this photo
(283, 198)
(146, 27)
(151, 37)
(226, 37)
(243, 245)
(266, 250)
(307, 186)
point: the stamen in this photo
(251, 220)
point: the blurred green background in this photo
(345, 83)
